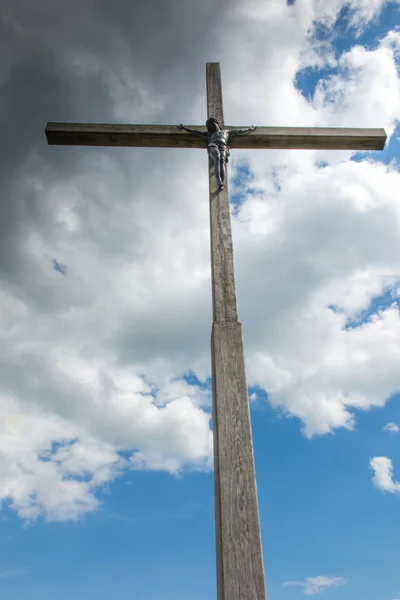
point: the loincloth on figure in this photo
(223, 150)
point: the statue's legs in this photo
(223, 160)
(222, 167)
(216, 158)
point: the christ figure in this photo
(217, 143)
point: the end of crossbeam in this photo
(48, 134)
(382, 139)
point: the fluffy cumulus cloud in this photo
(392, 427)
(361, 11)
(311, 363)
(383, 477)
(104, 253)
(316, 585)
(84, 423)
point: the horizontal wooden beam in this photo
(167, 136)
(308, 138)
(93, 134)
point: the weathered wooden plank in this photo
(307, 138)
(222, 265)
(222, 268)
(240, 568)
(167, 136)
(215, 107)
(240, 572)
(139, 136)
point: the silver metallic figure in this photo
(217, 143)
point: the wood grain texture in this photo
(222, 267)
(240, 569)
(133, 136)
(167, 136)
(307, 138)
(240, 572)
(215, 107)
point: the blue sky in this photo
(152, 533)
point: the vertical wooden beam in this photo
(223, 276)
(240, 570)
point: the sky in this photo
(106, 453)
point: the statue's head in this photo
(212, 124)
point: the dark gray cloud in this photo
(58, 62)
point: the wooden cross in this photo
(240, 571)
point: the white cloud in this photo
(363, 11)
(316, 585)
(383, 477)
(392, 427)
(319, 254)
(92, 363)
(348, 99)
(61, 481)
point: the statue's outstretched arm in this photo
(192, 131)
(242, 131)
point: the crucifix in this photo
(240, 570)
